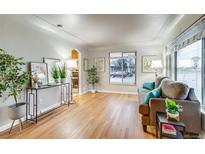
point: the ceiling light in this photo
(60, 26)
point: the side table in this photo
(161, 118)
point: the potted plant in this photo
(173, 109)
(63, 73)
(13, 80)
(55, 74)
(93, 77)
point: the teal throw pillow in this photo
(149, 85)
(155, 93)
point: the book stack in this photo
(169, 129)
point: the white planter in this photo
(63, 80)
(17, 112)
(35, 85)
(93, 91)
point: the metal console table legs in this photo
(32, 99)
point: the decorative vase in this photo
(17, 111)
(56, 80)
(35, 85)
(63, 80)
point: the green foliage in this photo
(12, 78)
(63, 72)
(93, 77)
(55, 72)
(173, 107)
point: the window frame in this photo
(122, 83)
(202, 69)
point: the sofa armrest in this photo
(192, 95)
(156, 105)
(191, 115)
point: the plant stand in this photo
(20, 125)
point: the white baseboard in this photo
(82, 93)
(117, 92)
(8, 125)
(109, 91)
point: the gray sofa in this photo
(177, 91)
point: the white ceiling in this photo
(109, 30)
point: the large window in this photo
(188, 68)
(123, 68)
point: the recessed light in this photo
(60, 26)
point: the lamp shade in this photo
(156, 64)
(72, 63)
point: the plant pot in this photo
(172, 116)
(17, 112)
(56, 80)
(93, 91)
(63, 80)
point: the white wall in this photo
(28, 37)
(104, 84)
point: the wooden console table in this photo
(32, 93)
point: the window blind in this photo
(192, 34)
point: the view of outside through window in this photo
(189, 67)
(123, 67)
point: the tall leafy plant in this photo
(12, 77)
(63, 72)
(93, 77)
(55, 72)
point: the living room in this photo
(102, 76)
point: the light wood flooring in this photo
(100, 115)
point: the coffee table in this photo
(161, 118)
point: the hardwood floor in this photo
(100, 115)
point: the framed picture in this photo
(51, 62)
(146, 63)
(39, 71)
(85, 64)
(100, 64)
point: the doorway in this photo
(75, 72)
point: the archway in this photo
(76, 72)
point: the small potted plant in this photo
(93, 77)
(63, 73)
(13, 80)
(55, 74)
(173, 109)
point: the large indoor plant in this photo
(63, 73)
(173, 109)
(93, 77)
(13, 80)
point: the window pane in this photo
(189, 67)
(129, 54)
(116, 70)
(116, 54)
(129, 70)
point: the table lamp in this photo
(156, 64)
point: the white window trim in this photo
(123, 84)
